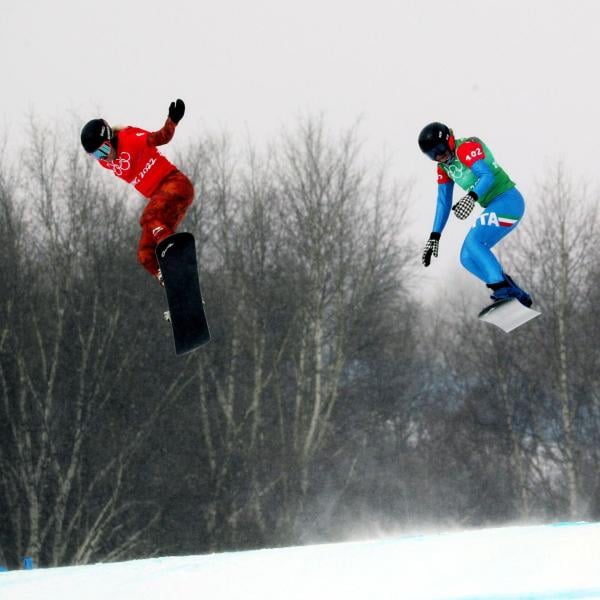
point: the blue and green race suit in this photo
(474, 168)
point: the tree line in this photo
(330, 404)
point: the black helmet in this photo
(94, 134)
(435, 139)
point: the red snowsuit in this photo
(168, 190)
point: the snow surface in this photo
(546, 561)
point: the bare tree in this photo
(66, 364)
(559, 261)
(342, 258)
(298, 255)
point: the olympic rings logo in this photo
(456, 169)
(121, 164)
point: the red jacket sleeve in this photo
(442, 177)
(163, 135)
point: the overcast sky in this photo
(521, 74)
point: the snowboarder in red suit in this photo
(131, 154)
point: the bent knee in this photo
(465, 253)
(188, 192)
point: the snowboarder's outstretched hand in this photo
(176, 110)
(462, 209)
(431, 247)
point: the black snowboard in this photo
(177, 260)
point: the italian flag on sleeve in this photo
(506, 220)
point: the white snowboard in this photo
(508, 314)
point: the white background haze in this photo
(520, 74)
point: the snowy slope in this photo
(556, 561)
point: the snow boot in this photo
(509, 289)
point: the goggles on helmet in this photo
(103, 151)
(437, 150)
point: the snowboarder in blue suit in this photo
(469, 163)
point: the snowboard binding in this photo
(507, 289)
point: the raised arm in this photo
(165, 134)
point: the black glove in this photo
(176, 111)
(462, 209)
(431, 247)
